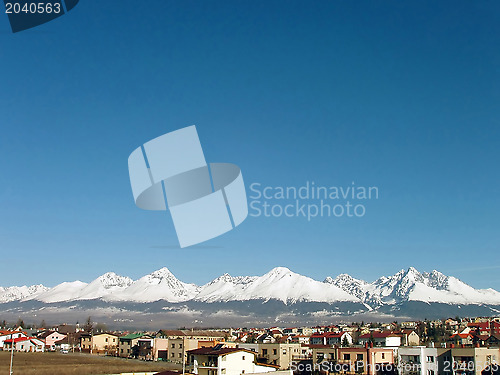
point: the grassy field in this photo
(75, 364)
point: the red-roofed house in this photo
(485, 328)
(5, 335)
(462, 338)
(338, 338)
(25, 344)
(317, 339)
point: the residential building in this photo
(180, 346)
(25, 344)
(160, 349)
(410, 337)
(301, 339)
(463, 338)
(472, 361)
(279, 354)
(322, 353)
(384, 338)
(6, 335)
(127, 343)
(420, 360)
(99, 343)
(366, 360)
(493, 340)
(226, 361)
(50, 338)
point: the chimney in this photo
(366, 345)
(452, 346)
(462, 345)
(477, 344)
(371, 344)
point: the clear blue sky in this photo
(402, 96)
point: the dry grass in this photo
(75, 364)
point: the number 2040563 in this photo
(32, 8)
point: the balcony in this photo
(208, 365)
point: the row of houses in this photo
(355, 360)
(416, 360)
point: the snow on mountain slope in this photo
(349, 284)
(159, 285)
(224, 288)
(104, 285)
(14, 293)
(66, 291)
(411, 285)
(280, 283)
(456, 291)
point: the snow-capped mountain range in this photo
(279, 284)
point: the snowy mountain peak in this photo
(411, 285)
(280, 283)
(350, 285)
(13, 293)
(111, 279)
(280, 272)
(162, 273)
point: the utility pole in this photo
(11, 354)
(183, 355)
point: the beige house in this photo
(472, 361)
(160, 349)
(279, 354)
(365, 360)
(353, 360)
(410, 337)
(321, 353)
(180, 346)
(100, 343)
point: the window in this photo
(359, 357)
(180, 355)
(275, 351)
(173, 346)
(180, 346)
(430, 358)
(264, 351)
(430, 372)
(383, 355)
(242, 371)
(173, 355)
(284, 351)
(106, 339)
(243, 358)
